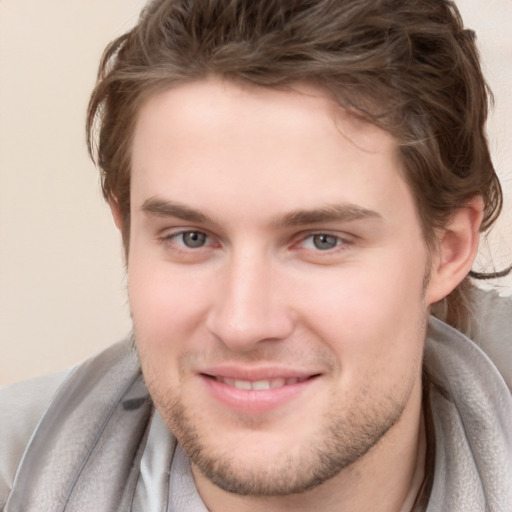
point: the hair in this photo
(409, 67)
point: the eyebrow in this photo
(344, 212)
(163, 208)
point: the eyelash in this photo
(169, 238)
(342, 243)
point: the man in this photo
(298, 185)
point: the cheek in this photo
(362, 297)
(372, 316)
(166, 307)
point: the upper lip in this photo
(254, 374)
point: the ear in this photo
(457, 248)
(116, 212)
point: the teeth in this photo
(243, 384)
(277, 383)
(260, 384)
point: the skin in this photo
(272, 234)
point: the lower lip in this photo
(250, 401)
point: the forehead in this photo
(215, 102)
(216, 138)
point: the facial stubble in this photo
(343, 439)
(345, 435)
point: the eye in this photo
(322, 241)
(183, 240)
(192, 239)
(183, 245)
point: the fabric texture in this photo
(84, 454)
(96, 446)
(472, 412)
(21, 406)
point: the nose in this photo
(250, 306)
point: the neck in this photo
(386, 479)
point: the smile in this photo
(260, 385)
(257, 394)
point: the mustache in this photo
(285, 355)
(266, 352)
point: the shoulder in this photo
(37, 417)
(21, 406)
(491, 329)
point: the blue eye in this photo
(193, 239)
(324, 242)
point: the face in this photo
(276, 280)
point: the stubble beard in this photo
(342, 441)
(346, 433)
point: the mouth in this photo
(257, 394)
(259, 385)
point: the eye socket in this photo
(193, 239)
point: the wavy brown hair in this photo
(409, 67)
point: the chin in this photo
(258, 462)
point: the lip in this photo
(256, 401)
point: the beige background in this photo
(62, 287)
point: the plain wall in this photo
(62, 286)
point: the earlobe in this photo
(457, 249)
(116, 212)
